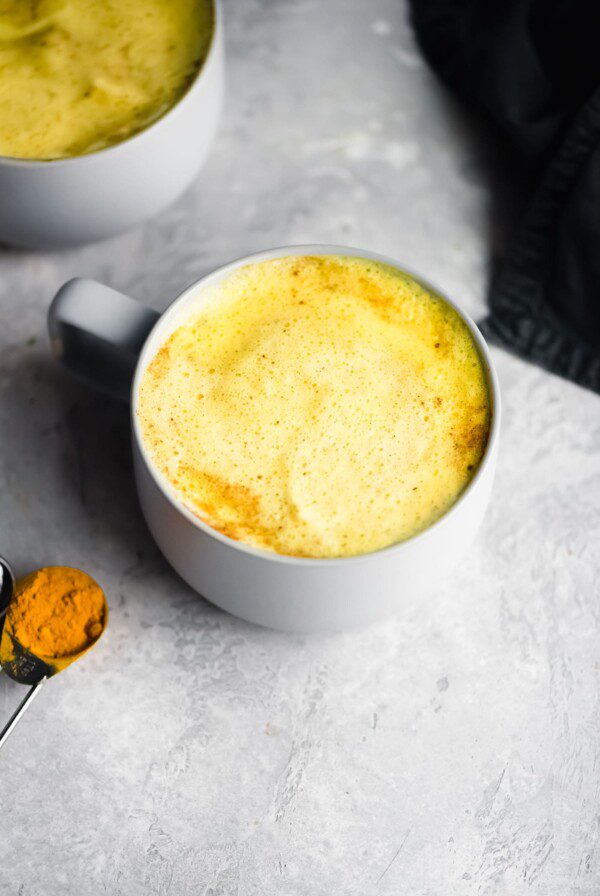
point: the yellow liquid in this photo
(80, 75)
(317, 406)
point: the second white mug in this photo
(51, 204)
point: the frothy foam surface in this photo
(317, 406)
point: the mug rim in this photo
(86, 158)
(317, 249)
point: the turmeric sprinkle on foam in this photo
(317, 406)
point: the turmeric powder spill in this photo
(56, 612)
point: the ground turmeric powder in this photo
(56, 612)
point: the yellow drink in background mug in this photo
(108, 109)
(79, 75)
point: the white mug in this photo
(108, 339)
(51, 204)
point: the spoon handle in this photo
(20, 710)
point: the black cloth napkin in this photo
(533, 68)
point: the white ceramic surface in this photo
(50, 204)
(293, 594)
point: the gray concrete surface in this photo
(453, 750)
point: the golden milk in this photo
(317, 406)
(80, 75)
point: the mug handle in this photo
(97, 333)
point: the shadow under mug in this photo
(107, 340)
(65, 202)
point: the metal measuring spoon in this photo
(7, 587)
(25, 667)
